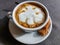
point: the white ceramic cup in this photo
(30, 29)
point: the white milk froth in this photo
(31, 15)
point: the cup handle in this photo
(10, 16)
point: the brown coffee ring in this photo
(44, 30)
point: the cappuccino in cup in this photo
(30, 15)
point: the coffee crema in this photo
(30, 15)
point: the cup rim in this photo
(24, 28)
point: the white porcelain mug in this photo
(29, 29)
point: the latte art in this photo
(30, 16)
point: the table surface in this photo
(54, 9)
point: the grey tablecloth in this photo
(54, 10)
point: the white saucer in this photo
(27, 38)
